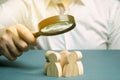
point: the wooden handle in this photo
(36, 34)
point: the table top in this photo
(98, 65)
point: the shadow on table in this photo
(15, 64)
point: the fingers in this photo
(13, 49)
(19, 43)
(25, 34)
(16, 40)
(6, 46)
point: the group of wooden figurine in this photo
(65, 63)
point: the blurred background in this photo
(2, 1)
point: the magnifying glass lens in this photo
(57, 27)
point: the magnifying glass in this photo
(55, 25)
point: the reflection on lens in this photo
(57, 27)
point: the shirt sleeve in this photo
(13, 12)
(114, 25)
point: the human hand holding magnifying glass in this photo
(17, 38)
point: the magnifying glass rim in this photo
(54, 20)
(59, 32)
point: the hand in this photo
(15, 40)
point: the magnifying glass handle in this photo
(36, 34)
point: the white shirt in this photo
(97, 22)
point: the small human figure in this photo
(47, 61)
(63, 60)
(53, 67)
(74, 67)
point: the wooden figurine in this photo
(47, 61)
(74, 67)
(63, 55)
(52, 66)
